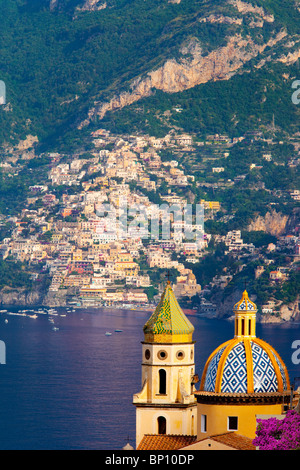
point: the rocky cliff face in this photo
(20, 297)
(293, 220)
(92, 5)
(78, 5)
(55, 299)
(273, 223)
(195, 68)
(32, 298)
(291, 311)
(175, 76)
(258, 12)
(287, 313)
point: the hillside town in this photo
(70, 231)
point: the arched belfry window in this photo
(162, 382)
(162, 425)
(243, 327)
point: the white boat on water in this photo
(3, 311)
(55, 328)
(32, 316)
(17, 314)
(107, 333)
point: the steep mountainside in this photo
(70, 63)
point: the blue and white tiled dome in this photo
(247, 365)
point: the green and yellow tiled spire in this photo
(168, 323)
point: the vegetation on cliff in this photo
(56, 63)
(13, 275)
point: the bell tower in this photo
(166, 403)
(245, 318)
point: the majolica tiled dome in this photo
(245, 364)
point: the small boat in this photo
(107, 333)
(6, 321)
(32, 316)
(118, 331)
(55, 328)
(17, 314)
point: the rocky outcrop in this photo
(225, 304)
(85, 5)
(28, 143)
(53, 4)
(290, 312)
(245, 7)
(20, 297)
(273, 223)
(56, 299)
(194, 68)
(290, 58)
(293, 220)
(221, 19)
(287, 313)
(92, 5)
(23, 297)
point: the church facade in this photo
(243, 378)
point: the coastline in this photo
(41, 309)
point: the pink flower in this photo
(276, 434)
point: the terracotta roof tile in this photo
(165, 442)
(235, 440)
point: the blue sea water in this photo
(72, 388)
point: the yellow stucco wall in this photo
(217, 418)
(178, 421)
